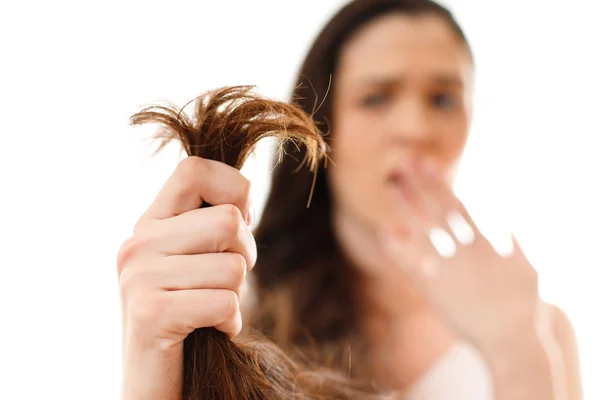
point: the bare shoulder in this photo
(560, 323)
(565, 336)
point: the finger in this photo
(405, 220)
(466, 229)
(427, 235)
(434, 213)
(193, 309)
(438, 210)
(197, 180)
(206, 230)
(452, 213)
(199, 271)
(416, 262)
(233, 326)
(447, 216)
(517, 249)
(416, 194)
(406, 240)
(454, 207)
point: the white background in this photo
(75, 177)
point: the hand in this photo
(183, 269)
(487, 298)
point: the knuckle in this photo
(227, 305)
(232, 213)
(132, 280)
(190, 168)
(245, 188)
(127, 281)
(153, 231)
(146, 310)
(188, 175)
(128, 251)
(231, 220)
(235, 270)
(138, 226)
(141, 225)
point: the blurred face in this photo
(402, 95)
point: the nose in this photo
(409, 122)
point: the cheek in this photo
(452, 143)
(354, 169)
(346, 156)
(453, 149)
(354, 139)
(353, 149)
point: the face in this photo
(402, 94)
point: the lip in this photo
(399, 172)
(397, 180)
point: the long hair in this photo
(225, 126)
(299, 257)
(305, 312)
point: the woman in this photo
(391, 81)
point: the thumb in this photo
(517, 249)
(515, 244)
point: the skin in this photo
(403, 93)
(182, 269)
(169, 284)
(402, 110)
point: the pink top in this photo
(459, 374)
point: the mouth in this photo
(397, 181)
(397, 177)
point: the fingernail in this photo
(461, 228)
(251, 216)
(442, 242)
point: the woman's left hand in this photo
(489, 299)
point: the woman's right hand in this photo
(183, 269)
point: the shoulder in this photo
(560, 322)
(564, 334)
(561, 326)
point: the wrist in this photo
(150, 373)
(521, 368)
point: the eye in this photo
(444, 101)
(375, 100)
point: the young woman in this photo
(391, 81)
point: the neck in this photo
(403, 334)
(383, 288)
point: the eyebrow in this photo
(440, 79)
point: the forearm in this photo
(149, 374)
(528, 368)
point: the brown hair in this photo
(304, 283)
(226, 125)
(299, 257)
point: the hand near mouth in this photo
(488, 299)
